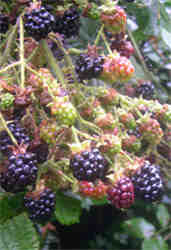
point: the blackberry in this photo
(89, 166)
(68, 24)
(40, 208)
(4, 23)
(18, 132)
(38, 23)
(21, 171)
(147, 182)
(122, 193)
(146, 90)
(88, 67)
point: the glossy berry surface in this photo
(68, 24)
(147, 182)
(121, 194)
(21, 171)
(38, 23)
(40, 208)
(4, 23)
(18, 132)
(89, 166)
(146, 90)
(88, 67)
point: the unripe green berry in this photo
(7, 101)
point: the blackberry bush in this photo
(78, 113)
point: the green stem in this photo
(12, 65)
(66, 56)
(86, 135)
(74, 134)
(76, 51)
(89, 125)
(106, 43)
(22, 53)
(8, 130)
(52, 62)
(10, 41)
(99, 35)
(126, 156)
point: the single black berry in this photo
(38, 23)
(4, 23)
(89, 166)
(18, 132)
(121, 194)
(21, 172)
(68, 24)
(88, 67)
(147, 182)
(40, 208)
(146, 90)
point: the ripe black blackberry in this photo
(147, 182)
(18, 132)
(21, 172)
(68, 24)
(4, 23)
(88, 67)
(121, 194)
(146, 90)
(89, 166)
(38, 23)
(40, 208)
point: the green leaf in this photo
(10, 206)
(68, 209)
(163, 215)
(166, 37)
(139, 228)
(156, 243)
(18, 234)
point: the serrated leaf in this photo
(18, 234)
(139, 228)
(166, 37)
(68, 209)
(156, 243)
(163, 215)
(10, 206)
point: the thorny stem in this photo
(149, 75)
(7, 129)
(12, 65)
(74, 134)
(66, 56)
(52, 62)
(106, 43)
(99, 35)
(22, 53)
(10, 41)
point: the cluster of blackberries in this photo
(68, 24)
(89, 166)
(88, 67)
(146, 90)
(21, 171)
(38, 23)
(40, 207)
(147, 182)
